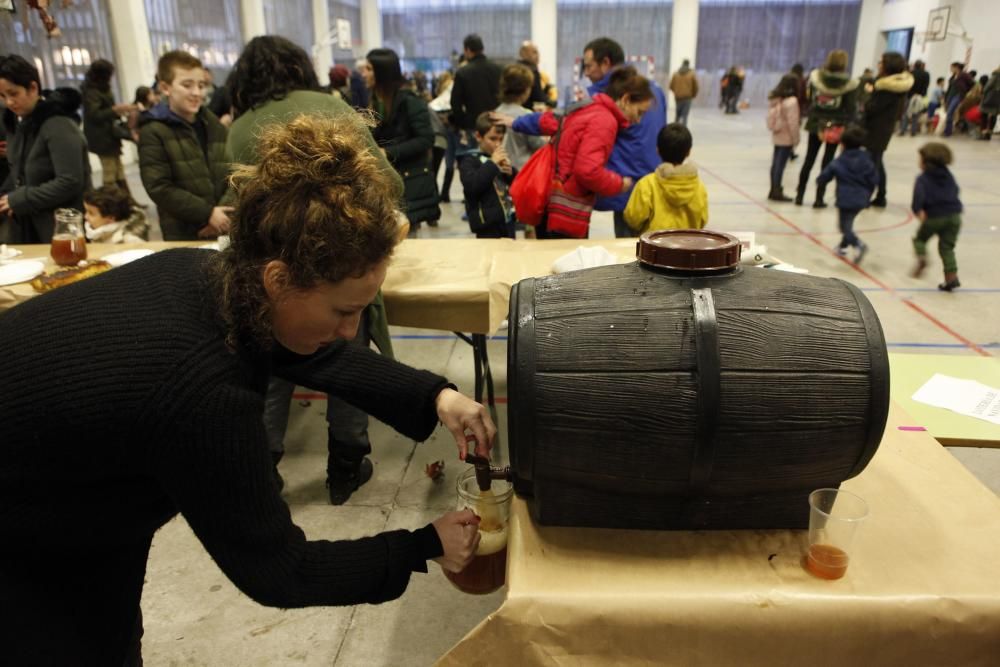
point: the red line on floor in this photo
(930, 318)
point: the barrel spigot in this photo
(485, 473)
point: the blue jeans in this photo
(683, 109)
(848, 237)
(347, 426)
(778, 162)
(952, 108)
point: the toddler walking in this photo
(856, 178)
(936, 204)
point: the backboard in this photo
(937, 24)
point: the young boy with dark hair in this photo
(673, 196)
(486, 176)
(857, 177)
(110, 217)
(936, 204)
(182, 154)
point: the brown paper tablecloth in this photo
(445, 284)
(923, 587)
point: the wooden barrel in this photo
(648, 398)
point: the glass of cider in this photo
(834, 518)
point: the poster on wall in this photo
(343, 34)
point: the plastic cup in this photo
(834, 518)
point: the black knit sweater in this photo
(120, 405)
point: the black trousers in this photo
(811, 152)
(65, 607)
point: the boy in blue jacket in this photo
(486, 176)
(856, 178)
(936, 204)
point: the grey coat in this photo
(49, 166)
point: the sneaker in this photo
(841, 251)
(342, 482)
(949, 285)
(860, 253)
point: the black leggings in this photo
(811, 152)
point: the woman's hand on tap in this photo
(468, 422)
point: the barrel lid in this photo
(693, 250)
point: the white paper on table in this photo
(966, 397)
(583, 257)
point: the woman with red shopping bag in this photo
(583, 139)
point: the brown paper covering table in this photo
(922, 588)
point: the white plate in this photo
(20, 271)
(126, 256)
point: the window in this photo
(291, 19)
(208, 30)
(767, 37)
(642, 27)
(428, 34)
(61, 61)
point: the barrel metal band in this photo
(706, 332)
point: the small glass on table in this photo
(834, 518)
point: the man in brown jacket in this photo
(684, 86)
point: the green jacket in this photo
(99, 120)
(243, 147)
(185, 182)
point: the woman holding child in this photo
(169, 387)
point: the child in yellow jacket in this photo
(673, 196)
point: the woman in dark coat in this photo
(49, 167)
(883, 110)
(100, 116)
(833, 99)
(405, 135)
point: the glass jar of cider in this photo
(488, 570)
(69, 245)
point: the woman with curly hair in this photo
(274, 80)
(170, 386)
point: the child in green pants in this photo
(936, 204)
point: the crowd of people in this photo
(315, 186)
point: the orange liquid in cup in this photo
(826, 561)
(68, 250)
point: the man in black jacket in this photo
(476, 89)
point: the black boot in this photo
(343, 480)
(778, 194)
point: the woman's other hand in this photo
(459, 535)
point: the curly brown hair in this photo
(110, 201)
(319, 202)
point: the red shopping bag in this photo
(531, 187)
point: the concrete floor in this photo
(195, 616)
